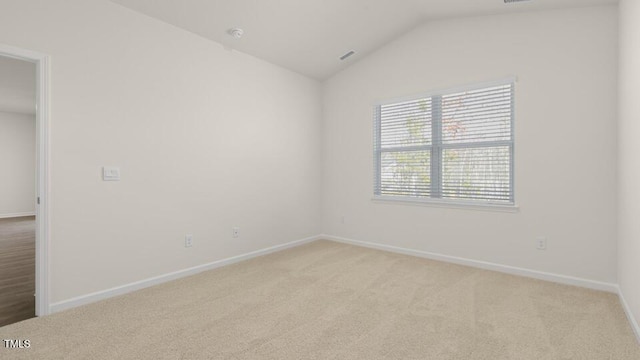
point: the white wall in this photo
(17, 86)
(565, 159)
(629, 156)
(206, 139)
(17, 164)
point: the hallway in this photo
(17, 269)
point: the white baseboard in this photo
(562, 279)
(120, 290)
(20, 214)
(627, 311)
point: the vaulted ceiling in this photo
(309, 36)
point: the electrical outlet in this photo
(236, 232)
(188, 241)
(541, 243)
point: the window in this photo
(454, 146)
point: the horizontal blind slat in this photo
(474, 146)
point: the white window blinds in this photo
(454, 146)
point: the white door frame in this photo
(43, 180)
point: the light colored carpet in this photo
(327, 300)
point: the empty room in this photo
(308, 179)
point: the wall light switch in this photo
(110, 173)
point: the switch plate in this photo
(110, 173)
(188, 241)
(236, 232)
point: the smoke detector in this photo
(236, 32)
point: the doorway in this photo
(24, 185)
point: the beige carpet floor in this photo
(327, 300)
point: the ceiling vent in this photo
(345, 56)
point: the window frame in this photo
(436, 148)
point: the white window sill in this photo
(510, 208)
